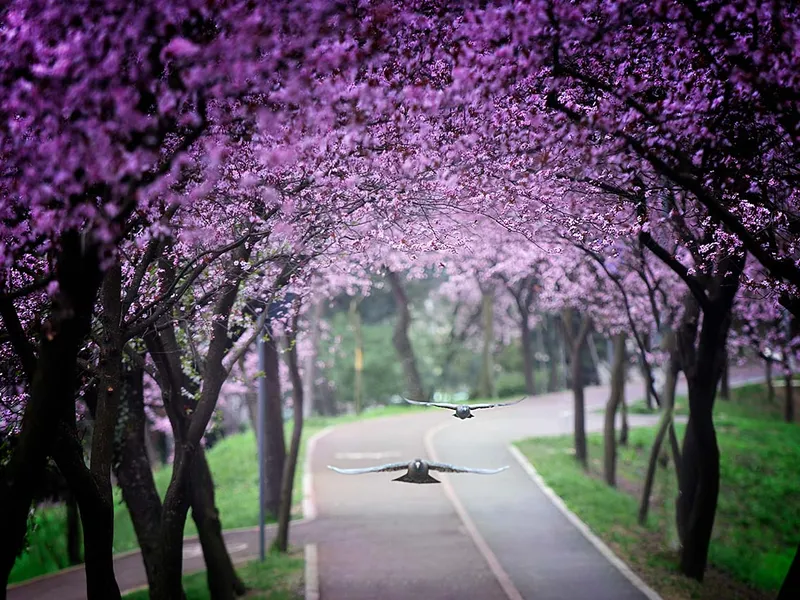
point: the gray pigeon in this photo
(417, 470)
(464, 411)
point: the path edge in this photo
(500, 574)
(309, 502)
(311, 573)
(582, 527)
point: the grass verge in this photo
(235, 470)
(279, 577)
(750, 400)
(757, 520)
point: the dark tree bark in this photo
(665, 424)
(647, 374)
(554, 353)
(166, 355)
(135, 475)
(73, 531)
(702, 359)
(52, 376)
(624, 428)
(99, 561)
(274, 442)
(139, 491)
(99, 549)
(527, 355)
(223, 582)
(790, 589)
(402, 343)
(769, 381)
(281, 543)
(575, 339)
(616, 397)
(724, 382)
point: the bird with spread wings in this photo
(418, 470)
(464, 411)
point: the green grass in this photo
(279, 577)
(758, 515)
(749, 400)
(234, 467)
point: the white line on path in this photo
(494, 565)
(626, 571)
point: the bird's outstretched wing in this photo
(445, 468)
(495, 404)
(439, 404)
(398, 466)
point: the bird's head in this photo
(417, 467)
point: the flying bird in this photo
(464, 411)
(417, 470)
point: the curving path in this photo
(485, 537)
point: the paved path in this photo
(383, 540)
(396, 541)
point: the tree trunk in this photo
(724, 382)
(135, 476)
(616, 396)
(73, 531)
(581, 453)
(98, 532)
(699, 473)
(52, 376)
(274, 442)
(223, 582)
(624, 429)
(167, 584)
(790, 589)
(189, 433)
(281, 542)
(576, 340)
(788, 405)
(554, 354)
(647, 375)
(697, 500)
(527, 354)
(664, 425)
(99, 544)
(486, 381)
(592, 377)
(401, 341)
(770, 383)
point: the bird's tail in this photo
(419, 479)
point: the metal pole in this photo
(262, 405)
